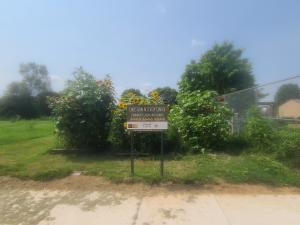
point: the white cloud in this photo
(57, 82)
(197, 43)
(161, 8)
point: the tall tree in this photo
(36, 77)
(17, 101)
(287, 92)
(28, 98)
(222, 69)
(17, 89)
(167, 94)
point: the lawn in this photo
(25, 145)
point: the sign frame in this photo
(147, 118)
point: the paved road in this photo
(146, 207)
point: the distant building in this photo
(289, 109)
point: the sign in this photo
(147, 117)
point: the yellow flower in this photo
(154, 94)
(122, 105)
(136, 100)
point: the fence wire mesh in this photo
(278, 102)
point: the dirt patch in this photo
(94, 183)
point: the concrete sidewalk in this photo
(58, 207)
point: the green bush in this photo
(273, 137)
(236, 144)
(288, 146)
(259, 131)
(119, 136)
(201, 120)
(83, 112)
(143, 142)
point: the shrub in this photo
(235, 144)
(42, 104)
(288, 146)
(18, 106)
(118, 137)
(201, 120)
(83, 112)
(143, 142)
(259, 131)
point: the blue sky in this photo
(142, 43)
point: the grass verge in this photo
(24, 153)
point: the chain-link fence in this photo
(269, 117)
(278, 102)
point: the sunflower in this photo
(154, 94)
(122, 105)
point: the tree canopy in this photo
(287, 92)
(134, 91)
(167, 94)
(35, 76)
(28, 98)
(17, 101)
(222, 69)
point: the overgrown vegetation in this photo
(83, 111)
(87, 116)
(25, 153)
(259, 131)
(275, 139)
(201, 120)
(143, 142)
(288, 146)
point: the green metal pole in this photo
(162, 154)
(132, 153)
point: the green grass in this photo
(24, 153)
(23, 130)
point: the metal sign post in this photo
(132, 153)
(162, 154)
(147, 118)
